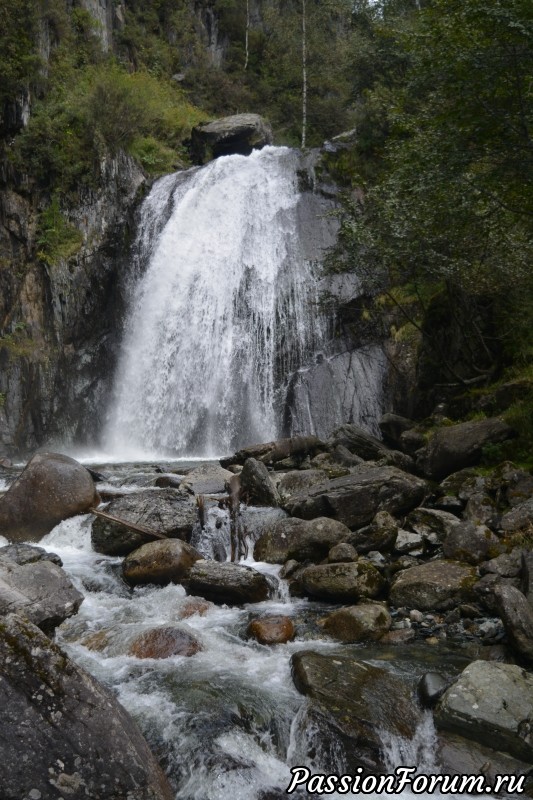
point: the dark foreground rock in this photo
(437, 585)
(161, 562)
(355, 499)
(492, 704)
(167, 511)
(61, 733)
(354, 703)
(224, 582)
(53, 487)
(300, 539)
(458, 446)
(366, 446)
(238, 134)
(39, 591)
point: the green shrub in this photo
(57, 238)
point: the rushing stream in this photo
(226, 723)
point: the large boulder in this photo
(238, 134)
(257, 487)
(52, 488)
(367, 622)
(298, 480)
(355, 499)
(62, 734)
(299, 539)
(206, 479)
(471, 543)
(342, 582)
(39, 591)
(354, 704)
(224, 582)
(492, 704)
(166, 511)
(458, 446)
(437, 585)
(162, 562)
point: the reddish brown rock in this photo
(165, 642)
(272, 630)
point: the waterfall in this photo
(223, 313)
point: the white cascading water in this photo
(224, 312)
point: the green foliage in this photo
(19, 63)
(449, 184)
(57, 238)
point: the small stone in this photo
(416, 616)
(165, 642)
(342, 553)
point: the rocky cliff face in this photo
(59, 320)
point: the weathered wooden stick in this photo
(130, 525)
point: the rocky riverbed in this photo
(305, 602)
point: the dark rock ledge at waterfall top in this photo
(403, 562)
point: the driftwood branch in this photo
(131, 525)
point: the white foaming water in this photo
(224, 313)
(228, 722)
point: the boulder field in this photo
(422, 551)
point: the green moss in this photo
(57, 239)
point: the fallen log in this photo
(131, 525)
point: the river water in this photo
(226, 723)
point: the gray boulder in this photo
(517, 617)
(238, 134)
(492, 704)
(160, 562)
(458, 446)
(471, 543)
(352, 705)
(437, 585)
(167, 511)
(257, 487)
(61, 733)
(428, 521)
(299, 480)
(366, 446)
(299, 539)
(52, 488)
(224, 582)
(342, 553)
(342, 582)
(367, 622)
(28, 554)
(206, 479)
(379, 535)
(519, 519)
(39, 591)
(355, 499)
